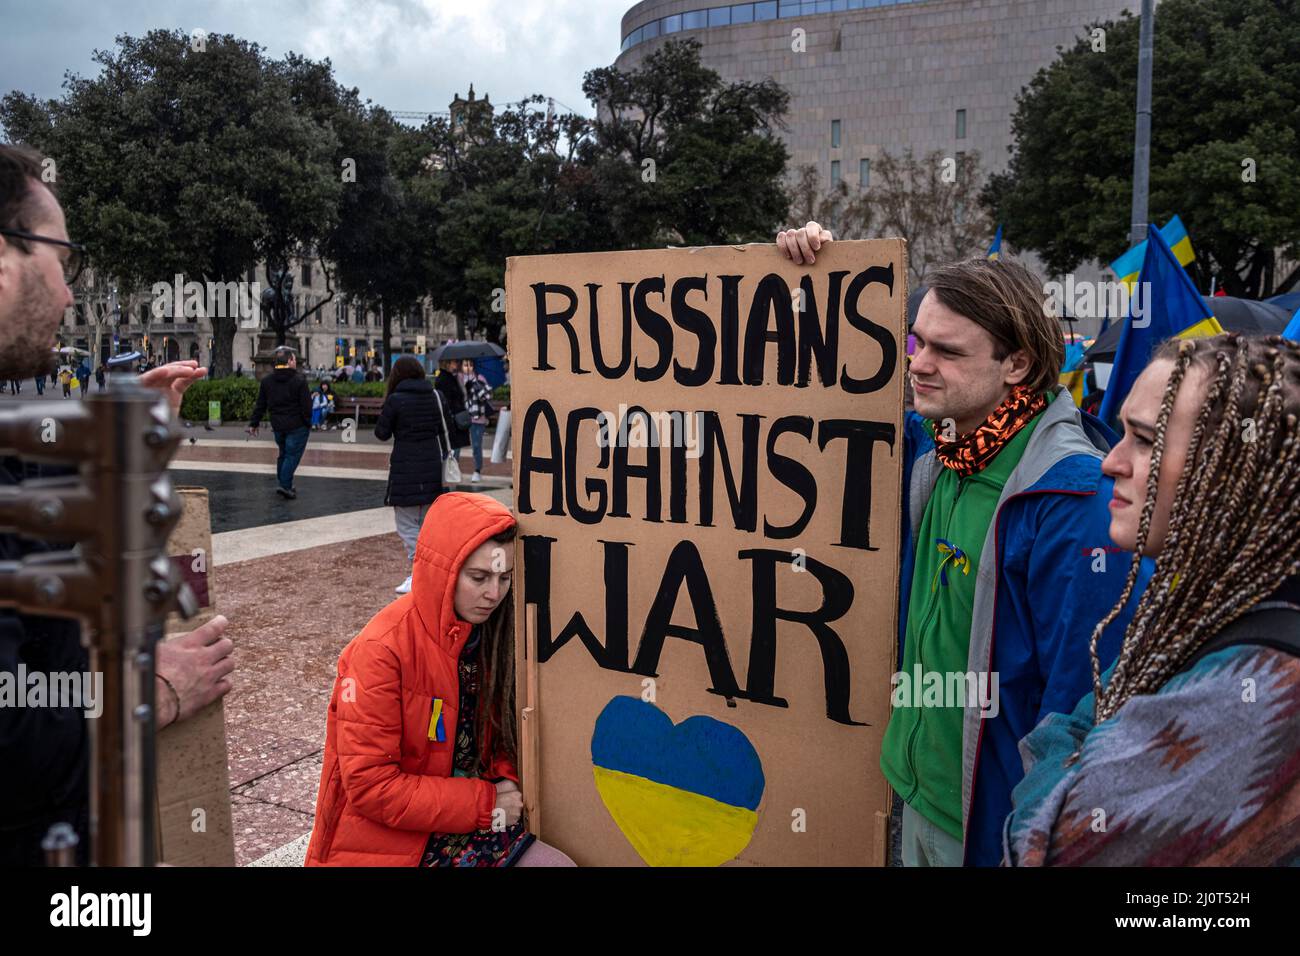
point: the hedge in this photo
(236, 395)
(350, 390)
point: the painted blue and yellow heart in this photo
(684, 795)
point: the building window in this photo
(961, 124)
(835, 134)
(652, 29)
(742, 13)
(673, 24)
(835, 172)
(695, 20)
(765, 10)
(720, 17)
(788, 8)
(306, 272)
(864, 173)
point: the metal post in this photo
(1142, 137)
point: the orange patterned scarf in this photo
(969, 453)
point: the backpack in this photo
(1274, 624)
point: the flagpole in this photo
(1142, 137)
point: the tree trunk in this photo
(386, 322)
(222, 361)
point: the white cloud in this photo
(402, 54)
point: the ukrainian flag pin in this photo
(437, 732)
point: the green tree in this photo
(488, 185)
(679, 155)
(675, 156)
(1225, 131)
(381, 258)
(184, 157)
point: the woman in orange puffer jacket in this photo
(420, 748)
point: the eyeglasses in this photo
(72, 265)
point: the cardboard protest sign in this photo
(194, 814)
(707, 459)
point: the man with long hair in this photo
(1005, 557)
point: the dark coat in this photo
(410, 418)
(453, 401)
(285, 395)
(45, 751)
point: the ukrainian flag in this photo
(995, 250)
(1128, 266)
(1073, 381)
(1170, 307)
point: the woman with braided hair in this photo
(1188, 750)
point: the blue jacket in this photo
(1048, 573)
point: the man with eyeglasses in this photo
(45, 751)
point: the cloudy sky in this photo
(403, 54)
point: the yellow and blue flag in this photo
(995, 250)
(1129, 265)
(1167, 306)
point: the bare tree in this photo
(932, 202)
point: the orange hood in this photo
(457, 522)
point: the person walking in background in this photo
(40, 384)
(478, 402)
(83, 377)
(448, 385)
(285, 396)
(65, 379)
(99, 377)
(410, 418)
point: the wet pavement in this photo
(239, 500)
(290, 616)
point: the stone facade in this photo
(340, 328)
(893, 76)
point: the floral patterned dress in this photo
(481, 847)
